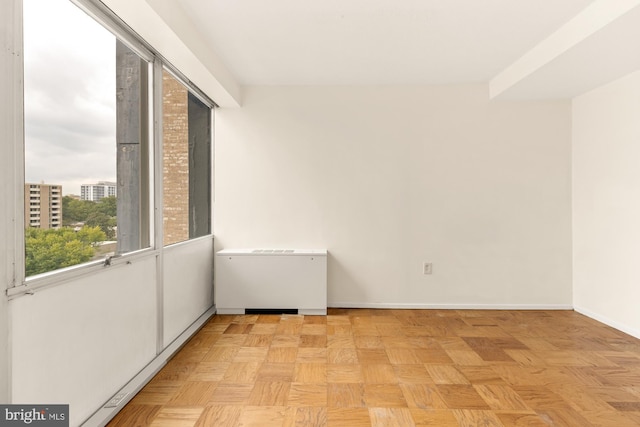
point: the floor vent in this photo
(270, 311)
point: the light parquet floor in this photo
(360, 367)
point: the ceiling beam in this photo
(589, 48)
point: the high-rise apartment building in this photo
(98, 191)
(43, 205)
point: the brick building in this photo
(175, 159)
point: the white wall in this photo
(187, 285)
(388, 177)
(78, 343)
(606, 203)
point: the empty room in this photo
(305, 213)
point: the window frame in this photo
(20, 284)
(202, 97)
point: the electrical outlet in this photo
(427, 268)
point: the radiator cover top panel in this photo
(272, 252)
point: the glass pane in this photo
(85, 140)
(186, 145)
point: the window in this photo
(86, 122)
(89, 160)
(186, 155)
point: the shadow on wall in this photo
(338, 276)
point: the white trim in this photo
(145, 21)
(11, 178)
(12, 137)
(103, 415)
(112, 23)
(384, 305)
(156, 196)
(68, 274)
(313, 312)
(609, 322)
(186, 242)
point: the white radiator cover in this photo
(271, 279)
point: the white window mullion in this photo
(12, 148)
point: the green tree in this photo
(48, 250)
(90, 235)
(108, 206)
(103, 221)
(94, 214)
(74, 210)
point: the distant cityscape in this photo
(98, 191)
(43, 202)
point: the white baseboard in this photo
(609, 322)
(384, 305)
(103, 415)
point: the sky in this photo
(70, 96)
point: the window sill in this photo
(65, 275)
